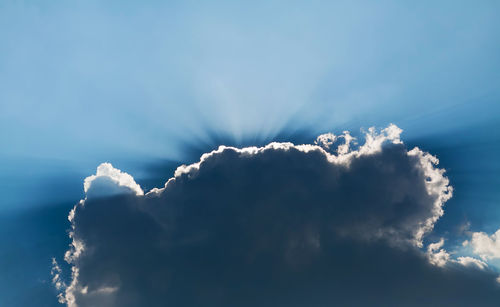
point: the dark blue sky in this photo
(149, 86)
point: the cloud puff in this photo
(326, 140)
(110, 181)
(329, 139)
(279, 225)
(438, 256)
(484, 245)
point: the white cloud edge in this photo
(373, 144)
(122, 179)
(471, 261)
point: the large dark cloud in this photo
(281, 225)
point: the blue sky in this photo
(83, 82)
(150, 85)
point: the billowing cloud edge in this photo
(437, 184)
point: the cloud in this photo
(110, 181)
(437, 255)
(484, 245)
(329, 139)
(470, 261)
(326, 140)
(279, 225)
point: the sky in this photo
(151, 85)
